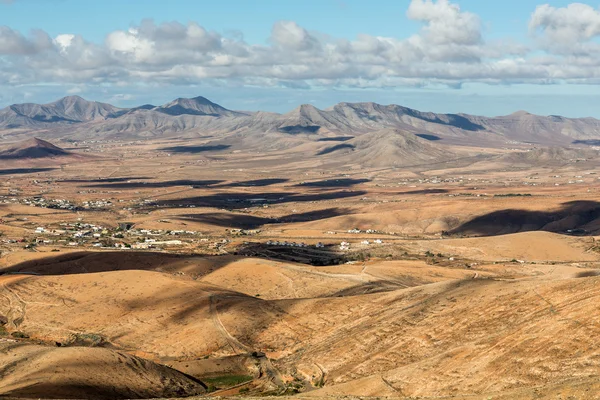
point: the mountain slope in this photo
(549, 156)
(384, 148)
(78, 372)
(196, 106)
(68, 110)
(30, 149)
(77, 118)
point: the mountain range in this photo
(78, 119)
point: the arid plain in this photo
(307, 260)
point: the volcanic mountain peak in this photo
(303, 111)
(32, 148)
(80, 109)
(521, 114)
(385, 148)
(70, 101)
(195, 106)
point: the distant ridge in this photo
(68, 110)
(196, 106)
(76, 118)
(386, 148)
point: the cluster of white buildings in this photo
(60, 204)
(293, 244)
(97, 204)
(355, 231)
(376, 241)
(290, 244)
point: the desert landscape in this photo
(363, 250)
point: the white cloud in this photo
(449, 49)
(569, 24)
(290, 36)
(13, 42)
(445, 23)
(64, 41)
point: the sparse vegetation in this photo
(225, 381)
(86, 340)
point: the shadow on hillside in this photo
(107, 180)
(379, 286)
(227, 220)
(245, 200)
(309, 255)
(299, 129)
(426, 136)
(574, 217)
(155, 185)
(196, 149)
(455, 120)
(18, 171)
(86, 262)
(337, 147)
(588, 142)
(424, 191)
(77, 381)
(336, 139)
(255, 182)
(245, 221)
(334, 183)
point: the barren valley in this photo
(364, 250)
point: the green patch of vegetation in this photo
(3, 331)
(320, 382)
(225, 381)
(19, 335)
(244, 390)
(86, 340)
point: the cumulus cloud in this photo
(290, 36)
(567, 29)
(445, 23)
(449, 49)
(13, 42)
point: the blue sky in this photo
(472, 56)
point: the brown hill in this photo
(550, 156)
(30, 149)
(431, 340)
(34, 371)
(68, 110)
(385, 148)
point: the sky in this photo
(471, 56)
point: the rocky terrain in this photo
(363, 250)
(77, 118)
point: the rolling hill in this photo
(384, 148)
(32, 149)
(35, 371)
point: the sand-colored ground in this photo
(485, 284)
(32, 371)
(429, 340)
